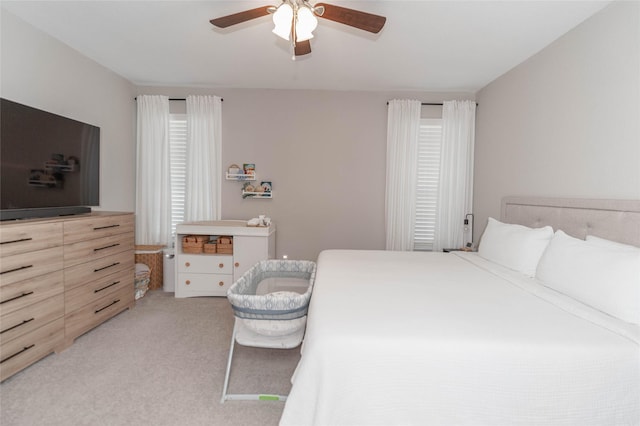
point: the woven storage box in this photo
(225, 245)
(193, 243)
(151, 255)
(225, 248)
(210, 247)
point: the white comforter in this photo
(405, 338)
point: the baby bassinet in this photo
(268, 314)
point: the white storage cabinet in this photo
(212, 274)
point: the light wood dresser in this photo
(59, 278)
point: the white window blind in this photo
(428, 176)
(178, 166)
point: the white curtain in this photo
(403, 129)
(153, 184)
(204, 163)
(455, 198)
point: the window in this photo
(428, 176)
(178, 166)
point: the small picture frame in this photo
(266, 186)
(58, 158)
(249, 169)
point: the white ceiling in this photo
(431, 45)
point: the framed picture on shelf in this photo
(266, 186)
(249, 169)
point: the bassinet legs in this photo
(246, 337)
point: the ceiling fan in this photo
(295, 20)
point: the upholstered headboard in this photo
(617, 220)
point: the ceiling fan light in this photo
(302, 36)
(305, 24)
(282, 19)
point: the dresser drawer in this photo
(34, 316)
(28, 348)
(98, 269)
(208, 264)
(23, 293)
(24, 238)
(85, 251)
(89, 316)
(97, 227)
(82, 295)
(20, 267)
(204, 284)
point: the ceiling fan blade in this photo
(354, 18)
(237, 18)
(302, 48)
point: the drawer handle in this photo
(17, 297)
(106, 287)
(105, 227)
(18, 325)
(187, 264)
(24, 349)
(16, 269)
(221, 283)
(187, 282)
(106, 247)
(109, 305)
(105, 267)
(21, 240)
(221, 265)
(237, 264)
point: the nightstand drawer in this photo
(205, 264)
(97, 227)
(30, 318)
(16, 239)
(20, 267)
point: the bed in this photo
(410, 338)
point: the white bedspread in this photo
(406, 338)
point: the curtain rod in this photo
(184, 99)
(175, 99)
(430, 104)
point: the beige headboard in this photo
(617, 220)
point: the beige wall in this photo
(325, 153)
(566, 122)
(41, 72)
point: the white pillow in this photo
(600, 275)
(514, 246)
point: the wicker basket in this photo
(193, 243)
(151, 255)
(225, 244)
(210, 247)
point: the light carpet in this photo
(161, 363)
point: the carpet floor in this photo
(161, 363)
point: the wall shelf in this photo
(249, 194)
(43, 183)
(240, 176)
(64, 168)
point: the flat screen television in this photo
(49, 164)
